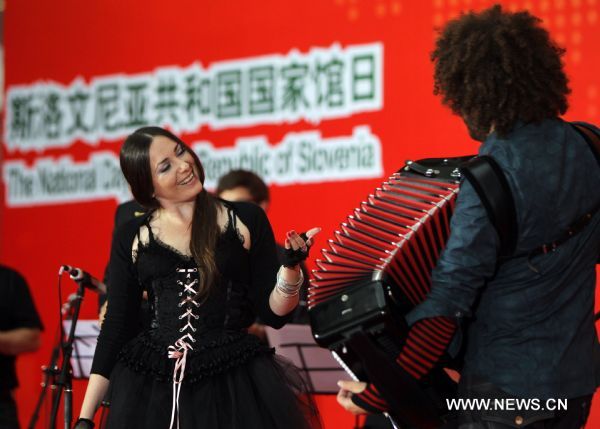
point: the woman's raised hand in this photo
(297, 246)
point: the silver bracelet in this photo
(288, 290)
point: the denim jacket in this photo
(527, 323)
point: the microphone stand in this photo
(66, 376)
(50, 371)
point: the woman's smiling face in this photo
(174, 173)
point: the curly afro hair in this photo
(493, 68)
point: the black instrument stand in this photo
(64, 382)
(50, 372)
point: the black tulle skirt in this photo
(265, 392)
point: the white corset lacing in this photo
(180, 349)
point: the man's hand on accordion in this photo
(347, 390)
(358, 397)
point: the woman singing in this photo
(209, 267)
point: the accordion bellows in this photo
(400, 229)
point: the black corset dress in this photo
(196, 366)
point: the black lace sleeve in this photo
(124, 299)
(264, 263)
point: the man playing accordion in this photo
(524, 319)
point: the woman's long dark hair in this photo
(135, 164)
(494, 68)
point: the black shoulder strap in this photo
(591, 138)
(488, 180)
(146, 222)
(232, 217)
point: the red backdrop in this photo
(63, 40)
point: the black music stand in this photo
(84, 346)
(63, 383)
(320, 370)
(50, 372)
(58, 378)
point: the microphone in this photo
(84, 278)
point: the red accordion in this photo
(378, 267)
